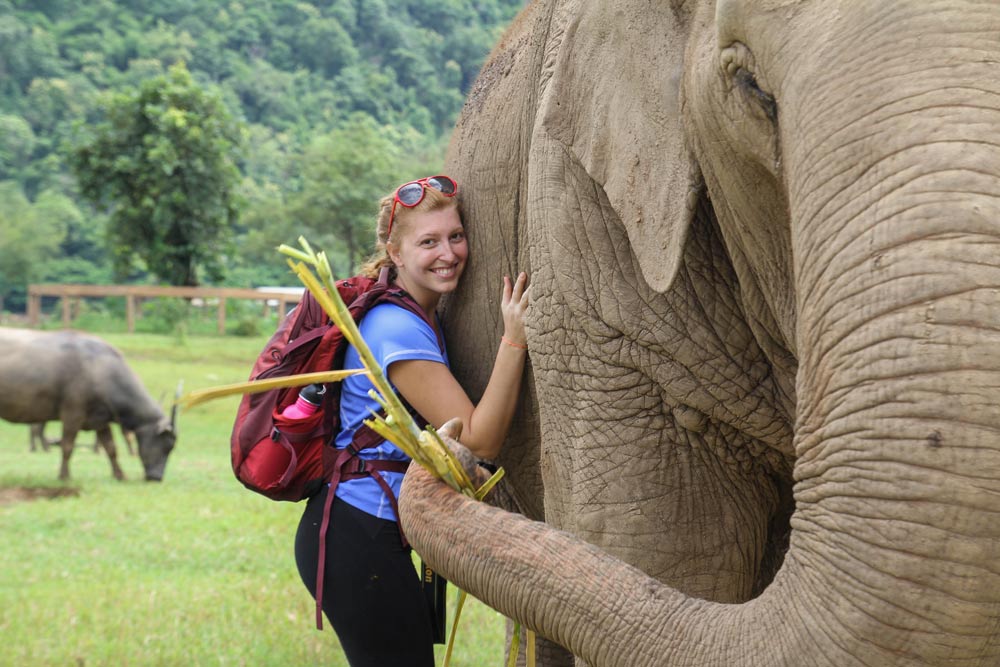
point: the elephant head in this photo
(765, 244)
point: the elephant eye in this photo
(737, 62)
(748, 83)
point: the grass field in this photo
(195, 570)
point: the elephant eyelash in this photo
(748, 82)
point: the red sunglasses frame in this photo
(424, 183)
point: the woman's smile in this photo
(446, 271)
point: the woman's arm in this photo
(434, 392)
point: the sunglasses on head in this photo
(412, 193)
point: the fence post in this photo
(34, 310)
(130, 312)
(67, 303)
(222, 315)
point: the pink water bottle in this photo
(307, 403)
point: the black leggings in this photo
(371, 591)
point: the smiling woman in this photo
(422, 246)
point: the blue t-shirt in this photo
(393, 334)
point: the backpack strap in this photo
(356, 467)
(400, 297)
(342, 457)
(348, 465)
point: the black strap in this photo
(342, 457)
(349, 465)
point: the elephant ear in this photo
(614, 102)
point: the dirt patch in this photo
(17, 494)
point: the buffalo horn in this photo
(173, 410)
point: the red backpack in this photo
(286, 459)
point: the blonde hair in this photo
(433, 200)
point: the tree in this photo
(163, 165)
(325, 46)
(26, 52)
(16, 143)
(266, 224)
(31, 239)
(344, 174)
(82, 257)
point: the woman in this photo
(371, 592)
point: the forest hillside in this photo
(330, 103)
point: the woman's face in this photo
(430, 254)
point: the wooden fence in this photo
(70, 294)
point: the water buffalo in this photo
(85, 383)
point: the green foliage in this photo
(247, 327)
(163, 163)
(25, 53)
(295, 72)
(168, 315)
(32, 234)
(17, 141)
(344, 175)
(325, 46)
(51, 103)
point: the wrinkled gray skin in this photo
(85, 383)
(764, 243)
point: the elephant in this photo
(760, 424)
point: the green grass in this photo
(196, 570)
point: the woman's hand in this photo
(513, 304)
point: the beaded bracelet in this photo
(513, 344)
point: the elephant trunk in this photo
(897, 263)
(556, 584)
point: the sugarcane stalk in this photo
(199, 396)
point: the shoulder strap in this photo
(310, 316)
(384, 292)
(397, 295)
